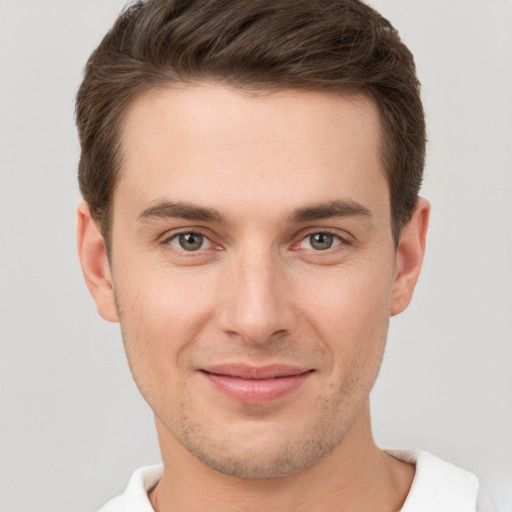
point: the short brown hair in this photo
(262, 45)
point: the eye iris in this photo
(321, 241)
(191, 241)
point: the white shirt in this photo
(438, 486)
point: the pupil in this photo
(191, 241)
(321, 241)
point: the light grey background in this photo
(72, 424)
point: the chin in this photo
(261, 455)
(262, 466)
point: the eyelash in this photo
(338, 241)
(175, 236)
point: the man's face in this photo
(253, 270)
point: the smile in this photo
(256, 385)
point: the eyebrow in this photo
(341, 208)
(170, 209)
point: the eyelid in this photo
(175, 233)
(344, 237)
(176, 238)
(337, 240)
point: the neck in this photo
(355, 476)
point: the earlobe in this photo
(409, 256)
(95, 266)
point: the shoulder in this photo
(135, 497)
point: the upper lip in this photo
(245, 371)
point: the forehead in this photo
(213, 143)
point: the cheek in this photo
(349, 311)
(161, 319)
(161, 310)
(348, 298)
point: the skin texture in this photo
(257, 176)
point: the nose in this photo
(258, 299)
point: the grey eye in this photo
(190, 241)
(321, 241)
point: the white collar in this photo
(438, 486)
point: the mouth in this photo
(256, 385)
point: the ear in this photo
(95, 267)
(409, 256)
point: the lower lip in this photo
(256, 391)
